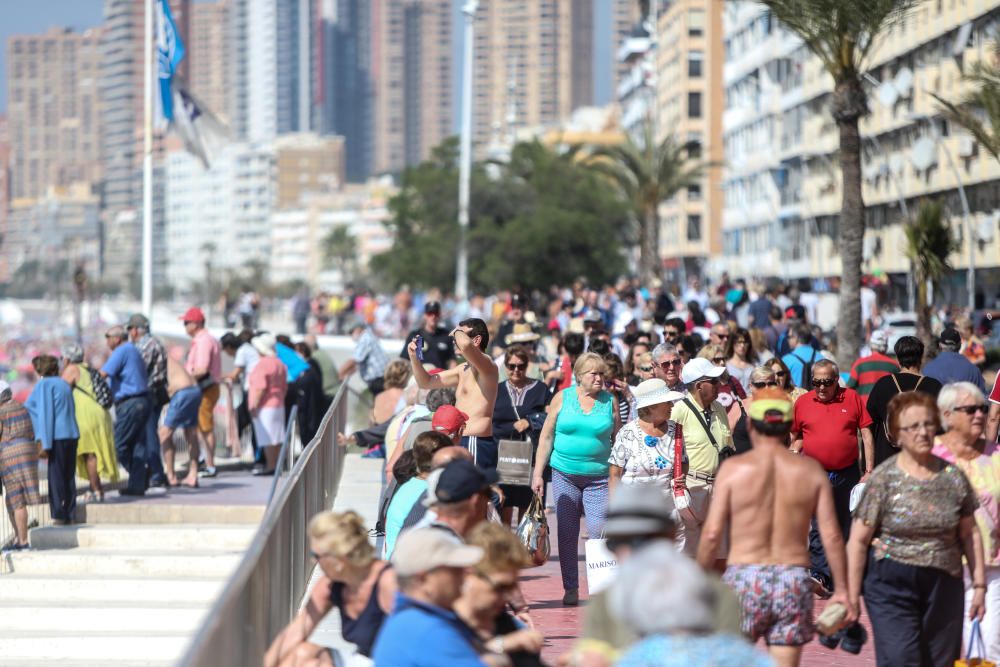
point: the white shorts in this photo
(269, 427)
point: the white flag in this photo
(203, 134)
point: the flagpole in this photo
(147, 168)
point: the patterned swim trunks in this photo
(776, 601)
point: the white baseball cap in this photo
(699, 368)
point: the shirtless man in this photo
(476, 387)
(182, 412)
(768, 497)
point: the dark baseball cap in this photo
(432, 308)
(460, 480)
(137, 321)
(950, 337)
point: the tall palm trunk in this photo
(848, 106)
(649, 245)
(923, 309)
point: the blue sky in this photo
(34, 16)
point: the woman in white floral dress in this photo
(643, 452)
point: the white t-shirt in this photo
(640, 462)
(246, 357)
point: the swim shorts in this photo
(776, 601)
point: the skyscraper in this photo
(412, 75)
(210, 49)
(343, 93)
(54, 110)
(4, 194)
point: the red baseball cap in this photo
(193, 314)
(448, 420)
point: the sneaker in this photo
(208, 472)
(11, 548)
(375, 452)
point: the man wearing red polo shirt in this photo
(825, 427)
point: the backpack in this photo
(807, 370)
(102, 392)
(899, 390)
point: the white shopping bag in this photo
(856, 493)
(601, 565)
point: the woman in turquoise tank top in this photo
(576, 442)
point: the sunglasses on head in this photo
(971, 409)
(824, 383)
(761, 385)
(516, 367)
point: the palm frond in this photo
(978, 112)
(930, 241)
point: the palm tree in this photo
(979, 110)
(647, 174)
(842, 33)
(929, 242)
(340, 247)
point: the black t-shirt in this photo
(438, 348)
(878, 406)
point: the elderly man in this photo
(368, 358)
(765, 500)
(719, 335)
(950, 365)
(707, 442)
(126, 371)
(868, 370)
(827, 422)
(459, 494)
(423, 629)
(204, 364)
(155, 357)
(667, 366)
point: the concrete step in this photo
(157, 513)
(134, 618)
(128, 537)
(98, 562)
(68, 589)
(99, 648)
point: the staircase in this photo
(130, 587)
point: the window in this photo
(694, 105)
(694, 193)
(695, 59)
(696, 22)
(693, 145)
(694, 228)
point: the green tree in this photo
(979, 109)
(842, 34)
(646, 174)
(929, 243)
(340, 248)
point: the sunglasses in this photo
(780, 374)
(709, 380)
(718, 360)
(761, 385)
(646, 369)
(823, 383)
(516, 367)
(669, 333)
(667, 364)
(971, 409)
(721, 336)
(504, 589)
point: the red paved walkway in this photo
(562, 625)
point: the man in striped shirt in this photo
(868, 370)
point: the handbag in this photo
(682, 497)
(533, 532)
(102, 392)
(602, 566)
(976, 645)
(515, 457)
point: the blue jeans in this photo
(152, 445)
(131, 422)
(842, 481)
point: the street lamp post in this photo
(465, 156)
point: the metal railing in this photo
(264, 593)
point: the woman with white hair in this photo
(95, 452)
(644, 448)
(667, 599)
(963, 418)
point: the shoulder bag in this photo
(102, 392)
(724, 452)
(514, 457)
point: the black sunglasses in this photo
(971, 409)
(668, 364)
(761, 385)
(516, 367)
(823, 383)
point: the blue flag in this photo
(169, 53)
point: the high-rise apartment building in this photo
(54, 110)
(689, 105)
(624, 17)
(209, 46)
(782, 176)
(121, 74)
(5, 269)
(343, 94)
(412, 76)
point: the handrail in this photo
(286, 441)
(263, 593)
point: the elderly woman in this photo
(762, 377)
(963, 417)
(487, 591)
(644, 447)
(669, 602)
(784, 378)
(95, 452)
(362, 587)
(910, 531)
(268, 385)
(53, 416)
(643, 368)
(577, 435)
(518, 414)
(18, 463)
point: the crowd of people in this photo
(119, 415)
(735, 471)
